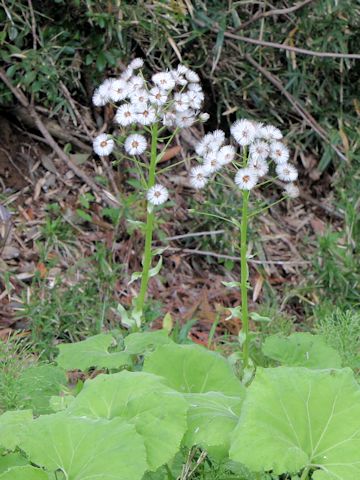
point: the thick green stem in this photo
(304, 475)
(244, 276)
(149, 225)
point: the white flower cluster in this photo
(264, 146)
(172, 98)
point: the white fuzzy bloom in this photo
(181, 102)
(226, 154)
(195, 99)
(179, 79)
(243, 131)
(103, 145)
(135, 144)
(246, 178)
(204, 117)
(98, 99)
(192, 76)
(182, 69)
(164, 80)
(157, 195)
(211, 165)
(269, 132)
(259, 150)
(118, 90)
(101, 95)
(135, 83)
(291, 190)
(198, 177)
(169, 119)
(136, 63)
(139, 98)
(125, 115)
(218, 137)
(279, 152)
(286, 172)
(195, 87)
(146, 116)
(127, 74)
(259, 166)
(185, 119)
(158, 96)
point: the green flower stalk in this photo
(262, 151)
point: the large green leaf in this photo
(86, 449)
(140, 343)
(193, 369)
(295, 417)
(11, 460)
(24, 473)
(37, 384)
(12, 425)
(92, 352)
(158, 413)
(303, 350)
(212, 417)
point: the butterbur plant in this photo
(150, 112)
(263, 157)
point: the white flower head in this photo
(291, 190)
(127, 74)
(136, 63)
(218, 137)
(135, 144)
(195, 87)
(211, 165)
(158, 96)
(146, 116)
(259, 150)
(269, 132)
(103, 145)
(164, 80)
(179, 79)
(169, 119)
(259, 166)
(185, 119)
(125, 115)
(101, 95)
(157, 195)
(181, 102)
(136, 83)
(204, 117)
(286, 172)
(139, 98)
(246, 178)
(182, 69)
(192, 76)
(118, 90)
(243, 131)
(226, 154)
(279, 152)
(198, 177)
(195, 99)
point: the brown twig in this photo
(271, 13)
(50, 140)
(215, 28)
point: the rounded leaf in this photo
(296, 417)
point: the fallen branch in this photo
(281, 46)
(52, 143)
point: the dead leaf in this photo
(258, 287)
(170, 153)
